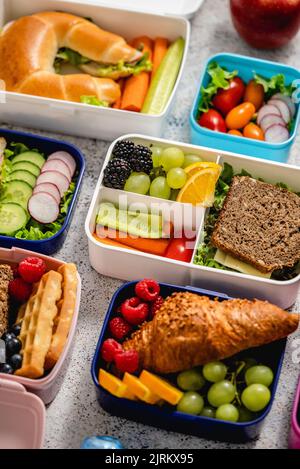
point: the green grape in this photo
(156, 155)
(191, 403)
(245, 415)
(191, 159)
(249, 362)
(191, 380)
(174, 195)
(138, 183)
(160, 188)
(214, 371)
(221, 393)
(208, 412)
(256, 397)
(259, 375)
(172, 157)
(176, 178)
(227, 412)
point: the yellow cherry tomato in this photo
(237, 133)
(255, 94)
(253, 131)
(240, 116)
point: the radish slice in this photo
(269, 120)
(277, 134)
(54, 177)
(66, 158)
(58, 165)
(288, 101)
(265, 110)
(283, 108)
(50, 189)
(43, 208)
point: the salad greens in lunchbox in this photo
(35, 191)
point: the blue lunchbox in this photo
(246, 67)
(47, 146)
(166, 417)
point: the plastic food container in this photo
(91, 121)
(47, 146)
(130, 265)
(294, 442)
(246, 66)
(47, 387)
(170, 419)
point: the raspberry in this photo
(155, 306)
(109, 349)
(20, 290)
(147, 290)
(32, 269)
(16, 272)
(127, 361)
(119, 328)
(135, 311)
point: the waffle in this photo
(63, 320)
(37, 325)
(6, 276)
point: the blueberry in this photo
(6, 368)
(13, 346)
(8, 336)
(16, 329)
(16, 361)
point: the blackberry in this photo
(141, 160)
(123, 149)
(116, 173)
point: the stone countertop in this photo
(75, 413)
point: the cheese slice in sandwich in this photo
(235, 264)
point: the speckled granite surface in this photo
(75, 413)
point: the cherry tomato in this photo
(237, 133)
(180, 249)
(253, 131)
(225, 100)
(213, 120)
(240, 116)
(255, 94)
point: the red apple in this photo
(266, 24)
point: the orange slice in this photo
(195, 167)
(200, 188)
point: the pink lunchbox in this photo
(22, 400)
(294, 442)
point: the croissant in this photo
(191, 330)
(28, 47)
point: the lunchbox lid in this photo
(185, 8)
(23, 417)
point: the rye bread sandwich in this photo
(6, 275)
(259, 224)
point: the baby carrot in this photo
(111, 242)
(117, 104)
(161, 46)
(136, 87)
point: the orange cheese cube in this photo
(140, 390)
(114, 385)
(162, 388)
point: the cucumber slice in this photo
(164, 79)
(23, 176)
(18, 192)
(13, 218)
(26, 166)
(30, 157)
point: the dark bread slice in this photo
(259, 224)
(6, 275)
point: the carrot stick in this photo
(136, 87)
(111, 242)
(161, 45)
(117, 104)
(157, 247)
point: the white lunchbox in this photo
(131, 265)
(130, 19)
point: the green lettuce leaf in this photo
(220, 79)
(93, 101)
(66, 55)
(275, 84)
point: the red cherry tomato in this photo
(225, 100)
(212, 120)
(180, 249)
